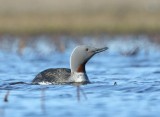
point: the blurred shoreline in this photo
(80, 17)
(79, 24)
(41, 45)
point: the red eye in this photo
(87, 49)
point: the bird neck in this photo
(77, 62)
(81, 68)
(78, 72)
(78, 68)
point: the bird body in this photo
(77, 73)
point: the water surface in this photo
(136, 93)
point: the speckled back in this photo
(53, 75)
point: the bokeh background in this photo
(79, 16)
(40, 34)
(59, 20)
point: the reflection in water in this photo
(137, 77)
(80, 90)
(2, 109)
(46, 45)
(6, 96)
(132, 52)
(78, 93)
(115, 83)
(43, 108)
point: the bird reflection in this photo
(43, 100)
(79, 91)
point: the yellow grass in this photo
(79, 16)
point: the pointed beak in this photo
(98, 50)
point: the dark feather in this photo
(57, 75)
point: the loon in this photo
(77, 74)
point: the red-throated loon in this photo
(77, 73)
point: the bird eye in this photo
(87, 49)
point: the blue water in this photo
(137, 77)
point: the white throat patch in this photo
(79, 77)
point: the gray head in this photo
(81, 55)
